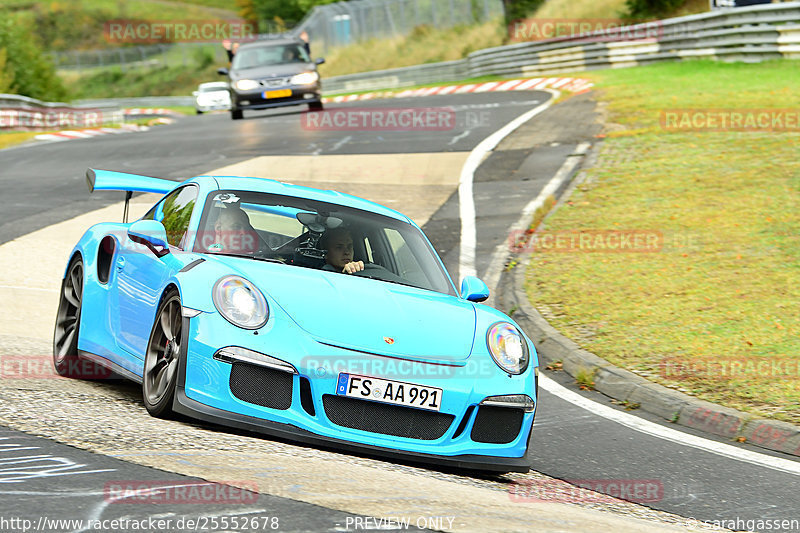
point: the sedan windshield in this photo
(269, 55)
(310, 234)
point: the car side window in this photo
(174, 212)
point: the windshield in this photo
(301, 233)
(269, 55)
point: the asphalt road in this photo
(43, 184)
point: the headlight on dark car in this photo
(240, 302)
(246, 85)
(306, 78)
(508, 347)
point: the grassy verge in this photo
(424, 44)
(714, 312)
(16, 137)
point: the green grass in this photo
(724, 288)
(424, 45)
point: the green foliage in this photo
(6, 76)
(519, 9)
(647, 9)
(27, 71)
(68, 26)
(286, 12)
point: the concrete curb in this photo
(625, 386)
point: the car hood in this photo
(272, 71)
(368, 315)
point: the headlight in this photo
(246, 85)
(508, 347)
(306, 78)
(240, 302)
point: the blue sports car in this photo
(299, 313)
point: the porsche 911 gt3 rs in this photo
(224, 303)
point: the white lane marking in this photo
(466, 202)
(341, 143)
(459, 137)
(672, 435)
(492, 275)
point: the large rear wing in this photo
(109, 180)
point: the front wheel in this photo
(237, 114)
(68, 319)
(161, 358)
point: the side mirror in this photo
(473, 289)
(319, 60)
(151, 234)
(222, 71)
(195, 93)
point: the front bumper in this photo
(204, 392)
(300, 94)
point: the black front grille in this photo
(386, 419)
(262, 386)
(497, 425)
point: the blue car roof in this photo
(287, 189)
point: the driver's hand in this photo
(353, 267)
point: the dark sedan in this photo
(268, 74)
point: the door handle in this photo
(120, 263)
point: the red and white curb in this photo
(141, 111)
(574, 85)
(83, 134)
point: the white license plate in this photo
(389, 391)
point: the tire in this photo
(199, 112)
(237, 114)
(161, 358)
(315, 106)
(68, 321)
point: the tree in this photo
(26, 70)
(519, 9)
(6, 76)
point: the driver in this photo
(339, 257)
(233, 232)
(291, 55)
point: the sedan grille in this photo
(262, 386)
(274, 82)
(386, 419)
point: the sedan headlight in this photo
(508, 347)
(246, 85)
(240, 302)
(306, 78)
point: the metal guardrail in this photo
(754, 33)
(23, 113)
(144, 101)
